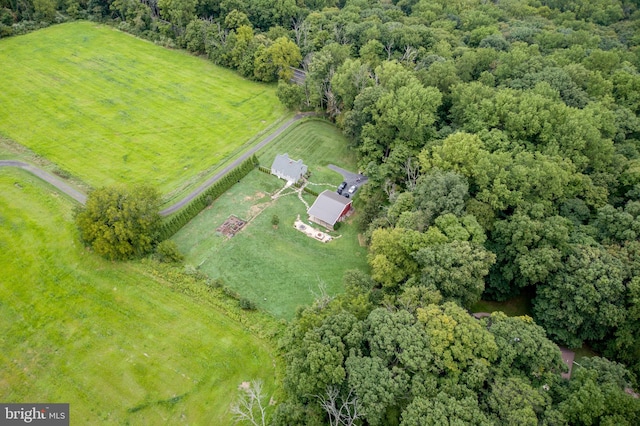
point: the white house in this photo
(288, 169)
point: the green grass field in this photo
(514, 307)
(120, 347)
(280, 269)
(107, 107)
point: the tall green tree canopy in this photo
(120, 222)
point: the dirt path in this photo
(82, 198)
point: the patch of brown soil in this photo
(231, 226)
(258, 195)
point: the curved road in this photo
(47, 177)
(82, 198)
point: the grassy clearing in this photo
(281, 268)
(584, 352)
(517, 306)
(119, 346)
(107, 107)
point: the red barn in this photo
(329, 208)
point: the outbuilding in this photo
(329, 208)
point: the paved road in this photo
(82, 198)
(47, 177)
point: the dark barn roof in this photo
(328, 206)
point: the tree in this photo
(594, 280)
(341, 411)
(596, 395)
(438, 192)
(119, 222)
(523, 348)
(626, 346)
(322, 67)
(178, 12)
(290, 94)
(529, 252)
(457, 269)
(318, 345)
(444, 410)
(390, 255)
(197, 35)
(618, 225)
(516, 403)
(457, 341)
(274, 61)
(236, 19)
(251, 405)
(45, 10)
(395, 339)
(378, 387)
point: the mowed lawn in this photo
(107, 107)
(279, 269)
(121, 348)
(318, 143)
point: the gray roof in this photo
(286, 167)
(328, 206)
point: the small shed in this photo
(329, 208)
(288, 169)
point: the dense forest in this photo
(502, 144)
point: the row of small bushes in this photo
(306, 189)
(178, 220)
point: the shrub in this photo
(275, 220)
(230, 293)
(192, 271)
(61, 173)
(310, 191)
(247, 304)
(167, 252)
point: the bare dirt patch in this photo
(258, 195)
(256, 209)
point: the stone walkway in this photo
(311, 231)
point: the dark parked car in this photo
(341, 187)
